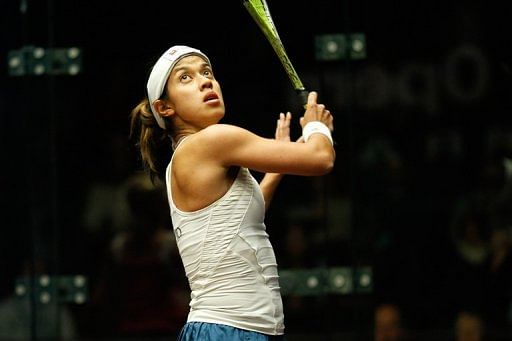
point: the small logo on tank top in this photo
(177, 232)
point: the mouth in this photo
(210, 96)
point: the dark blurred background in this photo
(420, 195)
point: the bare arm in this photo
(270, 181)
(227, 145)
(269, 185)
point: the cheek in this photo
(218, 89)
(181, 99)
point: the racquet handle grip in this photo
(303, 96)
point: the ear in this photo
(164, 108)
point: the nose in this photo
(205, 83)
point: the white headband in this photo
(161, 71)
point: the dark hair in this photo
(153, 142)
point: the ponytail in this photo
(154, 143)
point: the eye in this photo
(208, 73)
(184, 77)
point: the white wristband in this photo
(316, 127)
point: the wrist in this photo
(316, 127)
(274, 176)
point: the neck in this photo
(177, 140)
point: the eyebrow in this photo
(185, 67)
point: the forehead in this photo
(190, 61)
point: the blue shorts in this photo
(199, 331)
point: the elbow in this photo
(323, 156)
(327, 167)
(325, 164)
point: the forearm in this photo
(268, 186)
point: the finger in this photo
(330, 123)
(312, 97)
(331, 126)
(285, 126)
(282, 118)
(278, 124)
(287, 119)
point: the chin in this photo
(220, 118)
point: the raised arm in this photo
(270, 181)
(228, 146)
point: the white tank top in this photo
(229, 260)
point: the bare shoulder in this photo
(221, 131)
(222, 136)
(211, 142)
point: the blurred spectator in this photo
(388, 323)
(468, 327)
(296, 248)
(21, 318)
(142, 290)
(470, 249)
(498, 290)
(469, 231)
(296, 255)
(105, 207)
(481, 266)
